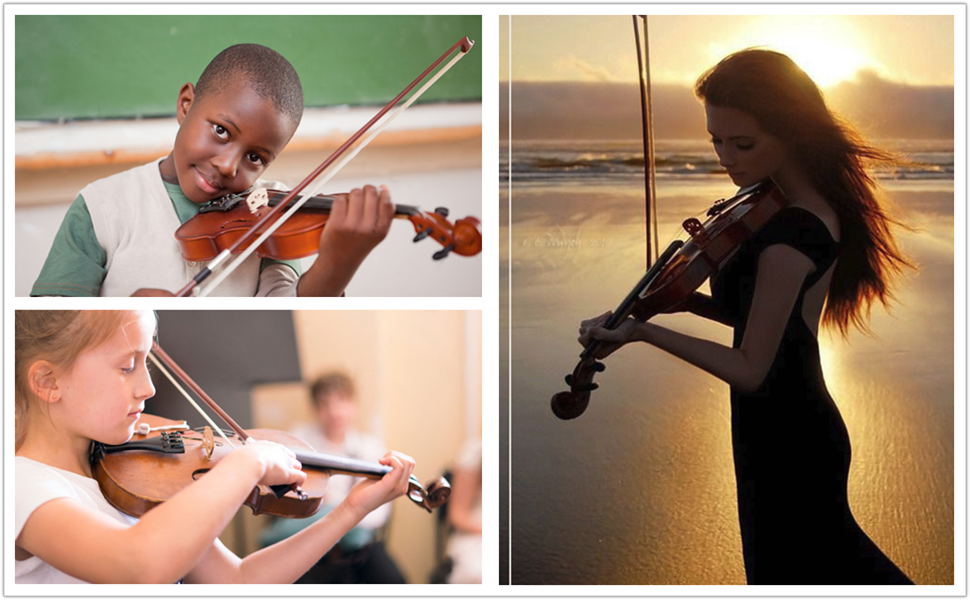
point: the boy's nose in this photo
(225, 163)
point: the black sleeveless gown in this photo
(791, 446)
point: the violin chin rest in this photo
(568, 405)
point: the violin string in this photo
(325, 177)
(171, 378)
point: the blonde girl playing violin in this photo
(82, 376)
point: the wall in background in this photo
(76, 67)
(417, 373)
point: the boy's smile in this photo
(225, 141)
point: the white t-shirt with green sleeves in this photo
(119, 236)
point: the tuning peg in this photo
(441, 210)
(443, 252)
(423, 234)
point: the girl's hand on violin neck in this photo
(371, 493)
(276, 464)
(589, 324)
(610, 340)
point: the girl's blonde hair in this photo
(59, 337)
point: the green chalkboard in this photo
(77, 67)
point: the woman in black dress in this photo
(826, 258)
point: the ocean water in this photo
(538, 163)
(640, 489)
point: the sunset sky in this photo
(916, 50)
(576, 76)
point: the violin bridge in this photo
(208, 441)
(257, 200)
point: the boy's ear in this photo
(184, 102)
(43, 383)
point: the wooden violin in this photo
(154, 466)
(222, 222)
(151, 468)
(244, 243)
(677, 273)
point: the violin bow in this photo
(429, 497)
(158, 357)
(330, 166)
(646, 108)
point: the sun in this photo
(827, 48)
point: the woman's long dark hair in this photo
(787, 104)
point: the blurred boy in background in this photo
(360, 557)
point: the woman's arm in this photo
(781, 273)
(703, 306)
(287, 560)
(170, 539)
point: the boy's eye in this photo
(127, 370)
(255, 158)
(744, 147)
(220, 131)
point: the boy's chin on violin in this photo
(151, 292)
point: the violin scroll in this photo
(571, 404)
(431, 495)
(464, 237)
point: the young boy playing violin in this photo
(117, 237)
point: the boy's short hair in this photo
(330, 383)
(270, 75)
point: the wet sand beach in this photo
(640, 489)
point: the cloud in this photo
(588, 110)
(883, 108)
(570, 110)
(569, 67)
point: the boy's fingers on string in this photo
(385, 208)
(338, 209)
(355, 207)
(370, 209)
